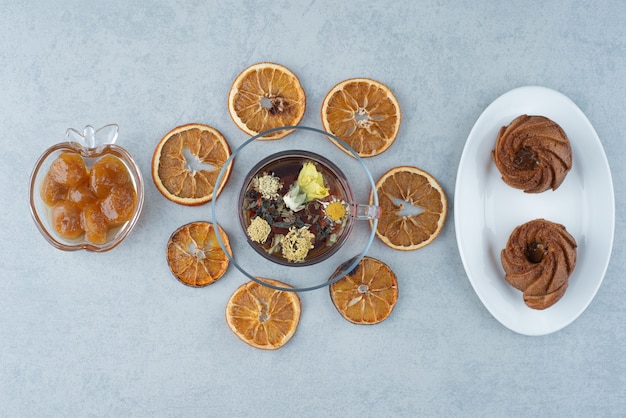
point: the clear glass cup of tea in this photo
(297, 209)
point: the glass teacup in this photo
(296, 208)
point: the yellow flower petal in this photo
(311, 182)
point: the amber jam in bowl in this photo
(86, 193)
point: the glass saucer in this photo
(361, 203)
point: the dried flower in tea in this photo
(259, 230)
(268, 185)
(297, 243)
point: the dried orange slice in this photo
(263, 317)
(265, 96)
(366, 295)
(414, 208)
(187, 161)
(364, 113)
(195, 256)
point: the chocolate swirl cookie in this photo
(538, 259)
(533, 154)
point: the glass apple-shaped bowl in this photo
(298, 209)
(86, 193)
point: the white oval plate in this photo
(487, 210)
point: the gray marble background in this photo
(114, 334)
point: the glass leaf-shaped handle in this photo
(93, 139)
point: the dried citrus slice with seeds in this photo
(414, 208)
(263, 317)
(265, 96)
(366, 295)
(195, 255)
(364, 113)
(187, 161)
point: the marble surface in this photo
(114, 334)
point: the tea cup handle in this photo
(365, 212)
